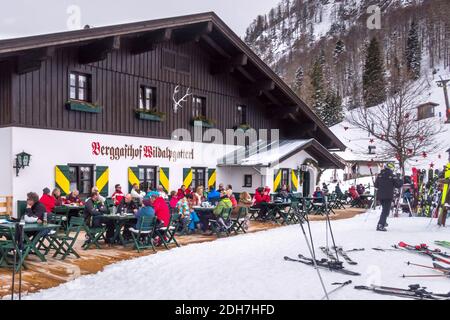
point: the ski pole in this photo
(428, 267)
(426, 276)
(341, 285)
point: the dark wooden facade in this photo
(34, 82)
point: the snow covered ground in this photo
(252, 267)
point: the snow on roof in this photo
(262, 154)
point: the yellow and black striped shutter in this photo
(211, 179)
(62, 179)
(187, 177)
(133, 177)
(276, 180)
(294, 180)
(164, 179)
(102, 180)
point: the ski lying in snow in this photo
(414, 292)
(445, 244)
(343, 253)
(354, 250)
(324, 264)
(341, 285)
(423, 249)
(394, 248)
(328, 253)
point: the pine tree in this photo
(332, 112)
(318, 93)
(413, 52)
(338, 50)
(374, 83)
(299, 77)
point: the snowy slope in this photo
(252, 267)
(357, 141)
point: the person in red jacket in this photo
(161, 208)
(48, 200)
(353, 192)
(181, 192)
(262, 196)
(118, 195)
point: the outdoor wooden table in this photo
(364, 201)
(31, 241)
(274, 210)
(203, 213)
(119, 222)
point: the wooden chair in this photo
(21, 207)
(240, 221)
(222, 223)
(167, 234)
(143, 236)
(66, 241)
(94, 235)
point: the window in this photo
(80, 86)
(176, 61)
(183, 64)
(198, 177)
(248, 181)
(169, 59)
(198, 106)
(372, 149)
(147, 98)
(147, 178)
(284, 177)
(425, 111)
(241, 114)
(81, 178)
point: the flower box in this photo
(149, 116)
(202, 123)
(82, 106)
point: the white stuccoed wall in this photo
(6, 162)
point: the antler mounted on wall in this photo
(178, 102)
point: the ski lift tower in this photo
(443, 84)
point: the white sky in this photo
(30, 17)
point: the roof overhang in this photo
(288, 102)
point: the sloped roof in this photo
(11, 47)
(261, 154)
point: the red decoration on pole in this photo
(432, 165)
(346, 128)
(371, 141)
(424, 154)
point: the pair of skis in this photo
(445, 244)
(331, 265)
(445, 272)
(413, 292)
(340, 251)
(435, 254)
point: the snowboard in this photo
(445, 197)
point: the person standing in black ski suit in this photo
(385, 183)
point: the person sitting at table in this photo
(101, 198)
(136, 193)
(284, 193)
(194, 220)
(162, 211)
(73, 197)
(338, 191)
(93, 215)
(262, 196)
(127, 205)
(224, 203)
(162, 193)
(59, 200)
(245, 201)
(213, 195)
(146, 211)
(198, 198)
(353, 193)
(35, 210)
(48, 200)
(318, 195)
(173, 200)
(325, 188)
(118, 195)
(360, 189)
(181, 192)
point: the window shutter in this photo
(164, 179)
(276, 180)
(211, 179)
(294, 180)
(133, 174)
(62, 179)
(102, 180)
(187, 177)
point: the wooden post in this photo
(6, 205)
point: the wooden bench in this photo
(6, 205)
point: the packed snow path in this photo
(252, 267)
